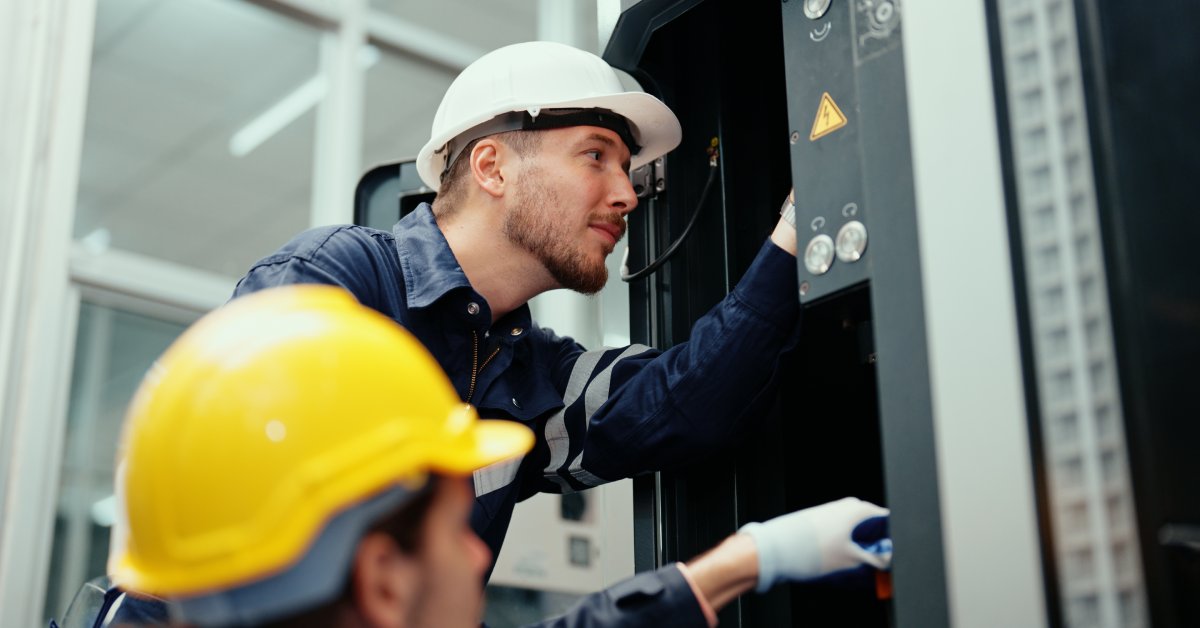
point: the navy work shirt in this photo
(599, 415)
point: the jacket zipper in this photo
(477, 368)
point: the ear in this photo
(487, 165)
(386, 581)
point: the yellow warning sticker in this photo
(829, 118)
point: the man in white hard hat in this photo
(530, 151)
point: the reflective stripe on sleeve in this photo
(497, 475)
(596, 394)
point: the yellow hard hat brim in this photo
(488, 442)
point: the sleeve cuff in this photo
(709, 614)
(771, 286)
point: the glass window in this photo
(401, 95)
(484, 25)
(114, 348)
(198, 144)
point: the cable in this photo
(627, 276)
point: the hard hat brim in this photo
(488, 442)
(652, 122)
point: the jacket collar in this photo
(431, 270)
(429, 266)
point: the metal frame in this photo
(993, 562)
(45, 75)
(1079, 413)
(45, 70)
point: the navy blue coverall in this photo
(600, 415)
(651, 600)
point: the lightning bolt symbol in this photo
(829, 118)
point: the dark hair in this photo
(403, 524)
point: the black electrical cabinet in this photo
(790, 95)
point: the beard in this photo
(535, 225)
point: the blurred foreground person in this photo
(298, 459)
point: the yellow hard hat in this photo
(268, 417)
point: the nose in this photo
(624, 200)
(479, 553)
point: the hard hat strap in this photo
(545, 119)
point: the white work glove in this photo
(815, 542)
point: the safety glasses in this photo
(100, 604)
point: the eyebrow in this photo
(601, 138)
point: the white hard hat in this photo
(538, 80)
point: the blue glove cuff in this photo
(872, 535)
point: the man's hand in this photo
(832, 538)
(784, 235)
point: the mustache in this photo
(615, 220)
